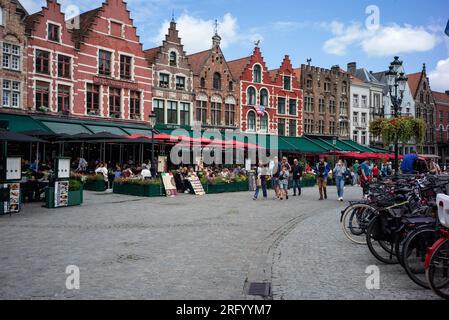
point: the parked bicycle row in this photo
(405, 220)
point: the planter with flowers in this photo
(219, 184)
(139, 187)
(95, 183)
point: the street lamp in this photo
(152, 117)
(397, 82)
(334, 143)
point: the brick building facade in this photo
(216, 90)
(271, 101)
(326, 101)
(13, 57)
(441, 100)
(97, 70)
(173, 94)
(425, 108)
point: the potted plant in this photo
(95, 183)
(43, 109)
(138, 187)
(401, 129)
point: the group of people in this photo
(279, 172)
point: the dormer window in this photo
(287, 83)
(53, 32)
(257, 74)
(173, 59)
(116, 29)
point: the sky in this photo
(329, 32)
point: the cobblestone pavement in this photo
(181, 248)
(316, 261)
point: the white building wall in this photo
(360, 113)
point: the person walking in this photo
(340, 172)
(322, 173)
(261, 181)
(297, 171)
(275, 172)
(365, 177)
(283, 182)
(376, 173)
(356, 175)
(289, 169)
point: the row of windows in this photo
(164, 81)
(216, 112)
(216, 82)
(42, 99)
(167, 112)
(309, 106)
(363, 137)
(42, 64)
(257, 77)
(356, 101)
(309, 127)
(263, 101)
(363, 118)
(327, 85)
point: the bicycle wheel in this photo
(414, 254)
(355, 222)
(381, 245)
(438, 271)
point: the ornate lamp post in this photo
(397, 82)
(152, 117)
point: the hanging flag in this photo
(447, 28)
(260, 110)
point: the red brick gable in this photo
(238, 66)
(198, 61)
(286, 69)
(256, 58)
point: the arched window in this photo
(173, 59)
(251, 121)
(264, 97)
(264, 123)
(1, 16)
(217, 81)
(202, 82)
(230, 86)
(251, 96)
(257, 74)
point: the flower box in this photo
(139, 190)
(226, 187)
(97, 185)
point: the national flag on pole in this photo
(260, 110)
(447, 28)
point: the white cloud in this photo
(383, 41)
(196, 33)
(439, 78)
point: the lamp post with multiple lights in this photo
(397, 82)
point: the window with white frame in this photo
(355, 100)
(11, 56)
(53, 32)
(185, 113)
(264, 123)
(251, 121)
(11, 94)
(363, 118)
(364, 102)
(355, 118)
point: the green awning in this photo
(66, 127)
(300, 145)
(358, 147)
(22, 123)
(132, 131)
(114, 130)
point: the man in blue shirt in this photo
(408, 163)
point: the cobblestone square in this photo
(190, 248)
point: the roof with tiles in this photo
(441, 97)
(151, 54)
(238, 66)
(413, 81)
(197, 61)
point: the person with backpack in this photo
(365, 176)
(322, 173)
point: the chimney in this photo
(335, 68)
(352, 67)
